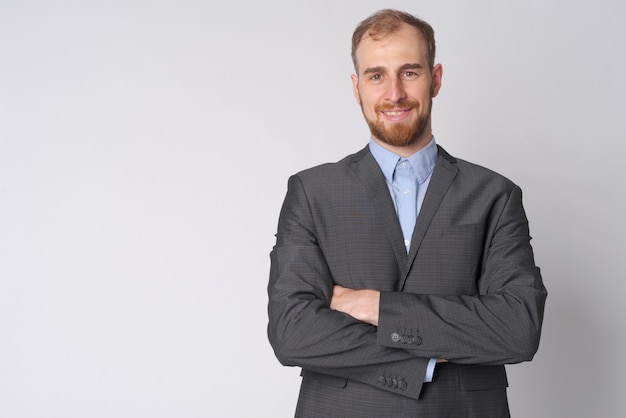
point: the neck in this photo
(407, 150)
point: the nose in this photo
(395, 92)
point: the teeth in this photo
(393, 113)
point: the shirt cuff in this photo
(430, 370)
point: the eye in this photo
(375, 77)
(409, 74)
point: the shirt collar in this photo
(423, 161)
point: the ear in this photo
(355, 88)
(437, 73)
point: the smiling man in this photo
(402, 279)
(395, 86)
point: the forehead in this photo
(407, 45)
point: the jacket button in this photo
(381, 380)
(402, 385)
(395, 337)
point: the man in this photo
(402, 279)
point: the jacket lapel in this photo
(444, 173)
(368, 171)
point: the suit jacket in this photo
(468, 291)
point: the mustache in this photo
(402, 104)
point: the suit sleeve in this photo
(501, 324)
(305, 332)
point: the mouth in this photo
(394, 115)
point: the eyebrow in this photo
(413, 66)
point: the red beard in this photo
(400, 134)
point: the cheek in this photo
(368, 102)
(370, 110)
(365, 106)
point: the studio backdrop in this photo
(145, 148)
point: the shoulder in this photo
(334, 170)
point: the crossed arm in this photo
(497, 325)
(359, 304)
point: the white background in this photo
(144, 152)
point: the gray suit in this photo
(468, 291)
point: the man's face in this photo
(395, 87)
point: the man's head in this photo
(387, 22)
(396, 79)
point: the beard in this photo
(399, 134)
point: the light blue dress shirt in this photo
(407, 180)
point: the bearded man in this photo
(402, 279)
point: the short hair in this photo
(388, 21)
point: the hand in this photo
(359, 304)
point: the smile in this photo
(396, 114)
